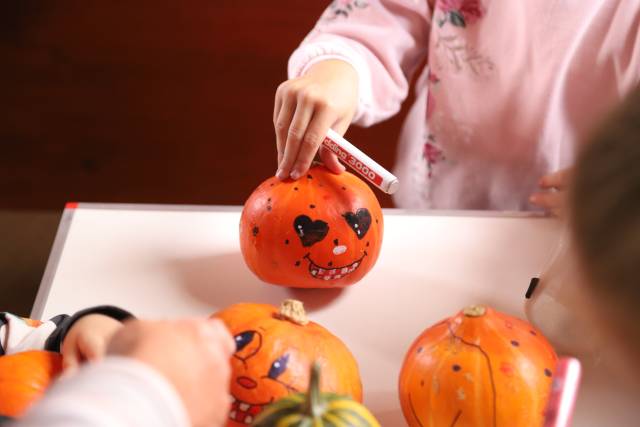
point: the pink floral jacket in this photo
(509, 89)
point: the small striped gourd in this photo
(315, 409)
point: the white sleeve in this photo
(117, 392)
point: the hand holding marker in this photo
(360, 162)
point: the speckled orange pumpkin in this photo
(477, 368)
(323, 230)
(274, 352)
(24, 377)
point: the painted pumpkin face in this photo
(323, 230)
(479, 367)
(24, 377)
(274, 354)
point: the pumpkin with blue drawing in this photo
(274, 351)
(323, 230)
(479, 367)
(316, 409)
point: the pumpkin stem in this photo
(475, 311)
(293, 311)
(313, 404)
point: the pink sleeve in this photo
(384, 40)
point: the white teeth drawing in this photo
(248, 419)
(244, 407)
(232, 415)
(327, 274)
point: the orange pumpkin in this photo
(24, 377)
(274, 352)
(323, 230)
(477, 368)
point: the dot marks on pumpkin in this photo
(344, 188)
(255, 231)
(286, 241)
(547, 372)
(485, 355)
(532, 332)
(456, 367)
(295, 188)
(420, 349)
(309, 176)
(335, 242)
(421, 383)
(312, 206)
(515, 343)
(330, 264)
(297, 263)
(367, 244)
(269, 207)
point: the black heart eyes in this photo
(278, 367)
(310, 231)
(243, 339)
(359, 221)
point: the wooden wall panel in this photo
(157, 101)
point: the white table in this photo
(169, 261)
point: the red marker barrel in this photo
(360, 162)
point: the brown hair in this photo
(605, 217)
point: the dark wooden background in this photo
(147, 101)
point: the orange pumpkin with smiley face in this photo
(274, 352)
(323, 230)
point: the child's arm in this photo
(354, 66)
(166, 373)
(81, 336)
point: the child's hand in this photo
(193, 355)
(554, 198)
(87, 339)
(326, 96)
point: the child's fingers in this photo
(558, 180)
(277, 105)
(69, 361)
(91, 347)
(282, 125)
(299, 124)
(218, 335)
(316, 130)
(331, 161)
(552, 201)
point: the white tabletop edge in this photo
(237, 208)
(67, 218)
(52, 264)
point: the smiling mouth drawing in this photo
(243, 412)
(336, 273)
